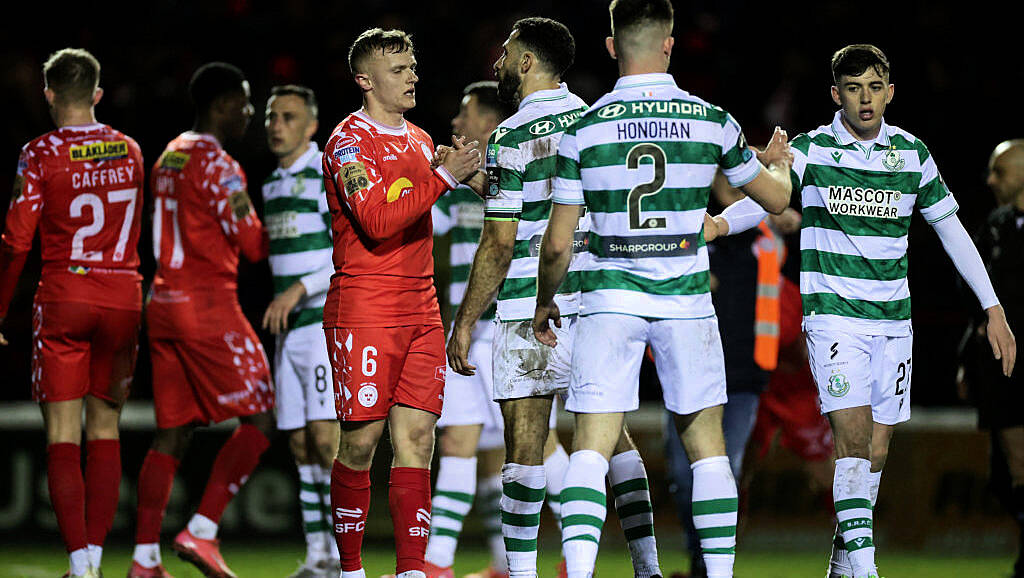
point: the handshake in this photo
(462, 160)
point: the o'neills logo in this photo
(99, 151)
(579, 243)
(643, 246)
(862, 202)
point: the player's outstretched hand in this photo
(777, 152)
(541, 329)
(1004, 345)
(788, 221)
(464, 158)
(276, 318)
(440, 153)
(458, 350)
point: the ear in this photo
(50, 95)
(364, 82)
(526, 62)
(892, 89)
(609, 43)
(97, 95)
(666, 47)
(835, 96)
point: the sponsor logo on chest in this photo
(863, 202)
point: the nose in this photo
(497, 65)
(990, 180)
(249, 109)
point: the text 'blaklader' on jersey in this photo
(857, 199)
(642, 160)
(298, 222)
(521, 158)
(460, 213)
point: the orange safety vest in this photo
(766, 309)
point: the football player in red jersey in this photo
(80, 185)
(208, 364)
(381, 319)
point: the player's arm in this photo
(772, 187)
(236, 214)
(357, 173)
(22, 221)
(939, 208)
(493, 255)
(556, 245)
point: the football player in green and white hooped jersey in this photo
(642, 161)
(860, 180)
(298, 223)
(521, 165)
(470, 424)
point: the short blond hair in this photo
(376, 40)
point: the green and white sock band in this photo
(839, 561)
(453, 498)
(852, 496)
(314, 526)
(628, 478)
(522, 499)
(489, 506)
(323, 478)
(584, 507)
(554, 470)
(715, 505)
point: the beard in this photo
(508, 87)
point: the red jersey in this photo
(202, 219)
(380, 188)
(81, 187)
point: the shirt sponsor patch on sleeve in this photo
(173, 160)
(346, 154)
(99, 151)
(232, 184)
(354, 177)
(240, 203)
(19, 187)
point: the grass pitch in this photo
(278, 561)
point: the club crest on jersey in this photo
(173, 160)
(838, 385)
(893, 161)
(99, 151)
(367, 394)
(439, 373)
(399, 189)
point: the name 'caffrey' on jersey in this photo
(642, 161)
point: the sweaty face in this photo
(506, 69)
(288, 123)
(393, 76)
(473, 121)
(1006, 175)
(238, 111)
(863, 99)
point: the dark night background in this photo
(957, 72)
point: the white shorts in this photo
(302, 376)
(854, 370)
(524, 367)
(467, 398)
(609, 350)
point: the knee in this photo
(261, 421)
(173, 441)
(854, 444)
(297, 445)
(356, 451)
(525, 447)
(878, 457)
(323, 448)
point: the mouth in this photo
(411, 93)
(866, 114)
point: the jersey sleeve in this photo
(22, 220)
(738, 162)
(568, 186)
(504, 165)
(233, 210)
(933, 197)
(355, 169)
(441, 214)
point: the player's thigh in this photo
(891, 368)
(690, 363)
(421, 382)
(115, 348)
(524, 367)
(309, 359)
(841, 366)
(366, 363)
(174, 398)
(606, 358)
(62, 339)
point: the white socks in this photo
(715, 505)
(584, 505)
(452, 500)
(522, 499)
(628, 479)
(851, 492)
(147, 555)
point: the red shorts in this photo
(376, 368)
(210, 378)
(790, 404)
(81, 349)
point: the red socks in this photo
(102, 485)
(409, 498)
(67, 492)
(350, 500)
(155, 480)
(237, 459)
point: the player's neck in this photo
(289, 159)
(204, 126)
(861, 136)
(1019, 202)
(380, 113)
(532, 84)
(74, 116)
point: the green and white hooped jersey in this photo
(460, 212)
(521, 156)
(858, 198)
(298, 223)
(642, 160)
